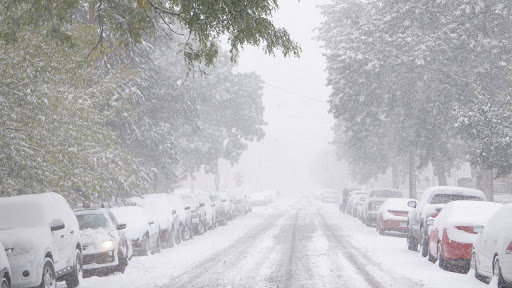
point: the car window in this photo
(386, 194)
(92, 221)
(113, 218)
(447, 198)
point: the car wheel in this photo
(123, 262)
(412, 244)
(146, 248)
(424, 247)
(382, 231)
(171, 238)
(5, 282)
(48, 277)
(73, 280)
(442, 262)
(497, 273)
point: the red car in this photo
(392, 215)
(451, 234)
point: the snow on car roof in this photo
(454, 190)
(467, 213)
(397, 204)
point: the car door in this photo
(63, 239)
(122, 236)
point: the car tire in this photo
(147, 247)
(5, 283)
(412, 244)
(496, 268)
(441, 261)
(48, 278)
(381, 231)
(123, 262)
(73, 280)
(424, 247)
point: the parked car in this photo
(452, 234)
(359, 206)
(156, 206)
(239, 199)
(330, 196)
(392, 215)
(372, 203)
(221, 208)
(492, 251)
(42, 241)
(104, 244)
(259, 199)
(197, 211)
(141, 232)
(185, 216)
(430, 204)
(350, 207)
(5, 270)
(209, 207)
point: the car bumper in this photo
(454, 251)
(394, 225)
(25, 262)
(100, 260)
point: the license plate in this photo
(403, 224)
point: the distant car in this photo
(221, 212)
(229, 206)
(5, 270)
(104, 244)
(156, 206)
(197, 211)
(359, 206)
(239, 200)
(452, 233)
(350, 207)
(392, 215)
(141, 232)
(330, 196)
(430, 204)
(492, 251)
(209, 207)
(372, 203)
(42, 241)
(185, 216)
(259, 199)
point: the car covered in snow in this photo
(241, 203)
(185, 217)
(430, 204)
(5, 270)
(354, 196)
(372, 203)
(209, 207)
(197, 211)
(392, 215)
(492, 251)
(104, 243)
(229, 205)
(452, 233)
(359, 206)
(259, 199)
(141, 231)
(41, 238)
(156, 206)
(330, 196)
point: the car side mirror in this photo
(478, 229)
(56, 225)
(187, 208)
(430, 221)
(201, 205)
(412, 204)
(151, 222)
(173, 211)
(121, 226)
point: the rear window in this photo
(91, 221)
(386, 194)
(447, 198)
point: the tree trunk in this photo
(395, 176)
(440, 171)
(484, 182)
(412, 176)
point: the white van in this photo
(41, 237)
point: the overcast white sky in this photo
(295, 95)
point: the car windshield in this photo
(92, 221)
(386, 194)
(21, 215)
(447, 198)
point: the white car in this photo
(157, 208)
(350, 207)
(5, 271)
(41, 238)
(104, 244)
(184, 215)
(492, 251)
(372, 203)
(430, 204)
(141, 231)
(209, 207)
(392, 215)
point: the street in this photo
(297, 244)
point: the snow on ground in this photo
(391, 253)
(156, 270)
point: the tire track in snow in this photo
(367, 267)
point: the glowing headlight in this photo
(107, 244)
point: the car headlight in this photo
(107, 244)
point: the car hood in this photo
(92, 236)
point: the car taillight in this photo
(468, 229)
(509, 248)
(398, 213)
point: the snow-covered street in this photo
(287, 244)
